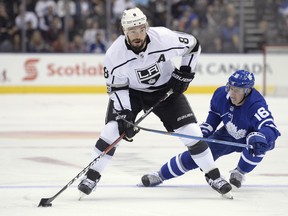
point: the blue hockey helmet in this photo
(242, 79)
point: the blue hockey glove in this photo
(180, 79)
(123, 126)
(259, 143)
(206, 129)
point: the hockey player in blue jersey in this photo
(246, 119)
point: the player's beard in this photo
(139, 46)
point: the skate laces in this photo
(217, 183)
(89, 183)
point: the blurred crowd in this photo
(90, 26)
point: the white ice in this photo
(46, 140)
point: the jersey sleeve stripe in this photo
(121, 65)
(159, 51)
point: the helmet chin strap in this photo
(125, 32)
(240, 103)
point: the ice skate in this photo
(219, 184)
(88, 184)
(151, 180)
(236, 178)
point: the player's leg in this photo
(183, 162)
(108, 135)
(175, 167)
(178, 116)
(246, 164)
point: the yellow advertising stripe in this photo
(85, 89)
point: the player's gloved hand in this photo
(206, 129)
(259, 143)
(124, 126)
(180, 79)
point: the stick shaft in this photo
(195, 137)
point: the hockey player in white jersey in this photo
(139, 71)
(246, 118)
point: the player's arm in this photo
(182, 77)
(213, 119)
(265, 131)
(117, 85)
(191, 52)
(118, 90)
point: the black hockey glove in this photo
(259, 143)
(181, 79)
(123, 126)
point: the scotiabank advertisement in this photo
(44, 73)
(51, 69)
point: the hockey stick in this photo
(46, 202)
(196, 137)
(192, 137)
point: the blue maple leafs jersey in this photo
(239, 121)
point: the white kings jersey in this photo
(150, 69)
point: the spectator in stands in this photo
(267, 35)
(59, 45)
(41, 7)
(212, 18)
(77, 45)
(46, 18)
(16, 43)
(230, 36)
(157, 11)
(62, 10)
(99, 46)
(7, 30)
(184, 21)
(90, 31)
(37, 43)
(120, 5)
(217, 46)
(72, 29)
(212, 15)
(230, 11)
(283, 19)
(99, 13)
(196, 30)
(201, 11)
(24, 17)
(55, 29)
(83, 12)
(283, 8)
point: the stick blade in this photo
(45, 202)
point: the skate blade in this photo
(140, 184)
(81, 196)
(228, 195)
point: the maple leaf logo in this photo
(234, 132)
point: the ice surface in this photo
(46, 140)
